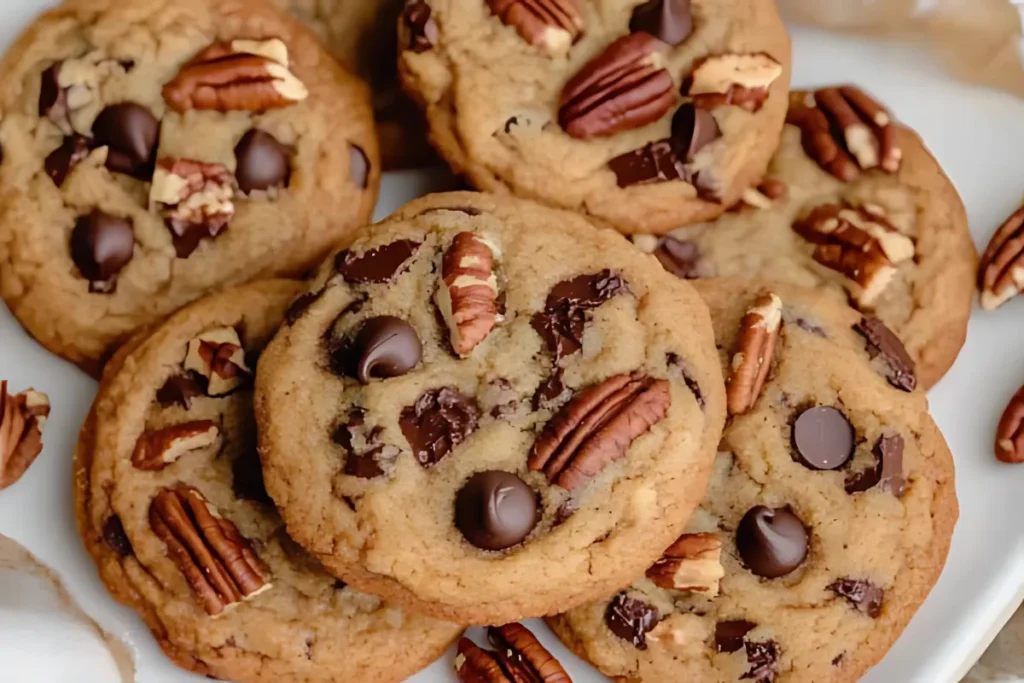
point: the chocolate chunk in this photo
(301, 305)
(187, 235)
(262, 162)
(655, 162)
(385, 347)
(179, 390)
(763, 658)
(562, 321)
(130, 133)
(358, 166)
(899, 366)
(421, 27)
(101, 245)
(668, 20)
(376, 265)
(865, 596)
(495, 510)
(62, 160)
(729, 634)
(680, 257)
(551, 393)
(887, 471)
(693, 128)
(631, 619)
(823, 438)
(838, 659)
(366, 455)
(116, 538)
(677, 365)
(247, 477)
(53, 99)
(771, 542)
(440, 420)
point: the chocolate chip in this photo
(385, 347)
(53, 103)
(823, 438)
(301, 305)
(247, 477)
(495, 510)
(366, 455)
(693, 128)
(562, 322)
(187, 235)
(101, 245)
(865, 596)
(376, 265)
(130, 133)
(899, 366)
(551, 393)
(179, 390)
(116, 538)
(677, 365)
(680, 257)
(887, 471)
(631, 619)
(421, 27)
(763, 658)
(655, 162)
(439, 421)
(262, 162)
(729, 634)
(838, 659)
(62, 160)
(358, 166)
(668, 20)
(771, 542)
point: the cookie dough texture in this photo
(492, 99)
(395, 534)
(306, 626)
(143, 46)
(926, 304)
(895, 544)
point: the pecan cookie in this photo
(152, 156)
(645, 115)
(855, 204)
(170, 502)
(827, 520)
(460, 418)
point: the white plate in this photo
(978, 137)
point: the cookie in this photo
(892, 237)
(826, 522)
(461, 419)
(644, 115)
(170, 502)
(152, 156)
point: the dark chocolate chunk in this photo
(763, 658)
(562, 321)
(301, 305)
(179, 390)
(262, 162)
(53, 99)
(676, 364)
(62, 160)
(376, 265)
(247, 477)
(187, 234)
(421, 27)
(101, 245)
(366, 455)
(631, 619)
(680, 257)
(771, 542)
(729, 634)
(865, 596)
(693, 128)
(358, 166)
(655, 162)
(385, 347)
(881, 342)
(115, 537)
(130, 133)
(439, 421)
(495, 510)
(551, 393)
(887, 471)
(823, 438)
(668, 20)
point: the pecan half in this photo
(692, 563)
(1010, 432)
(247, 75)
(468, 293)
(597, 427)
(845, 131)
(1001, 273)
(519, 658)
(624, 87)
(740, 80)
(551, 25)
(759, 330)
(218, 356)
(216, 560)
(858, 242)
(22, 418)
(195, 200)
(69, 91)
(158, 448)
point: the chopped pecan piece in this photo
(692, 563)
(597, 427)
(759, 330)
(22, 418)
(468, 293)
(624, 87)
(248, 75)
(216, 560)
(218, 356)
(1010, 432)
(740, 80)
(551, 25)
(158, 448)
(195, 200)
(1001, 273)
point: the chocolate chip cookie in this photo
(460, 418)
(171, 505)
(645, 115)
(152, 156)
(855, 204)
(827, 520)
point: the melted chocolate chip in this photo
(63, 160)
(179, 390)
(496, 510)
(551, 393)
(301, 305)
(729, 634)
(101, 245)
(262, 162)
(561, 323)
(53, 102)
(631, 619)
(668, 20)
(439, 421)
(680, 257)
(763, 658)
(693, 129)
(420, 25)
(838, 659)
(385, 347)
(823, 438)
(116, 538)
(865, 596)
(366, 455)
(881, 342)
(677, 365)
(358, 166)
(130, 132)
(887, 471)
(771, 542)
(247, 477)
(376, 265)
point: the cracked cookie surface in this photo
(827, 520)
(152, 156)
(170, 504)
(460, 418)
